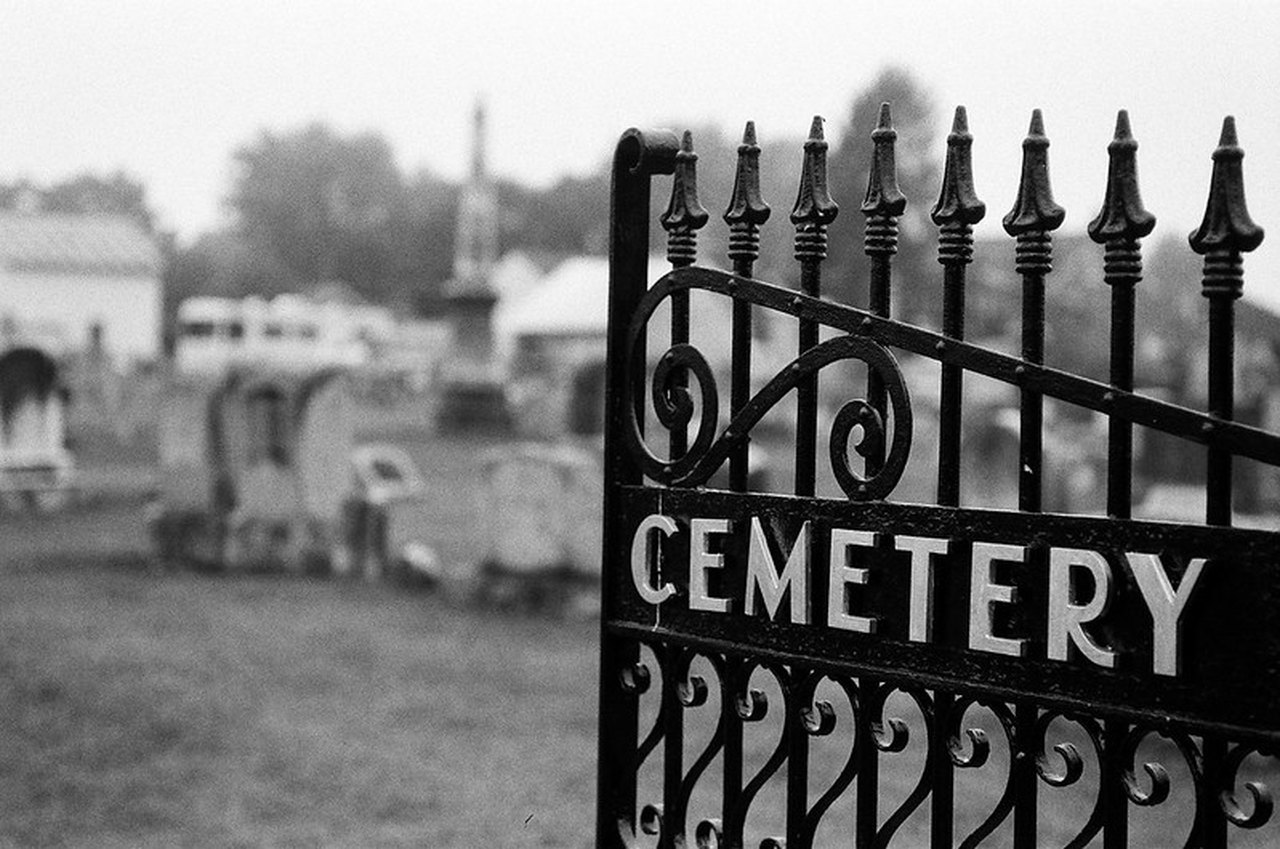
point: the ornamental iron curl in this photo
(674, 406)
(1073, 766)
(1008, 724)
(1260, 794)
(849, 770)
(694, 694)
(1159, 775)
(898, 742)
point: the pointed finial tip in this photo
(885, 117)
(960, 124)
(1037, 123)
(1228, 138)
(815, 129)
(686, 141)
(1123, 130)
(749, 133)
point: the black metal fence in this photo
(994, 629)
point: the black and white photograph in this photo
(639, 426)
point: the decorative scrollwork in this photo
(709, 834)
(634, 679)
(1073, 767)
(692, 692)
(981, 749)
(817, 717)
(1260, 794)
(776, 757)
(673, 404)
(1158, 775)
(651, 820)
(898, 734)
(898, 743)
(1156, 772)
(850, 768)
(1073, 764)
(674, 407)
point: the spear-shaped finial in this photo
(883, 197)
(814, 208)
(1226, 225)
(1034, 210)
(747, 210)
(1122, 217)
(684, 215)
(958, 207)
(958, 201)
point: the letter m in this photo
(762, 575)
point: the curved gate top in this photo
(748, 635)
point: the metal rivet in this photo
(940, 346)
(1207, 427)
(1108, 397)
(1020, 371)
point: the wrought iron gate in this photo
(997, 629)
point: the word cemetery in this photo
(764, 584)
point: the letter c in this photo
(642, 555)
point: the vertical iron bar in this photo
(1033, 216)
(682, 220)
(1221, 393)
(637, 158)
(1218, 483)
(744, 215)
(1226, 232)
(746, 212)
(1030, 489)
(813, 211)
(881, 206)
(952, 382)
(797, 763)
(673, 819)
(1119, 226)
(867, 810)
(679, 437)
(957, 210)
(733, 722)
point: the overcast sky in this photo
(166, 90)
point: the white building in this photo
(73, 273)
(287, 331)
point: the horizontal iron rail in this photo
(1238, 439)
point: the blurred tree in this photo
(916, 284)
(85, 194)
(323, 204)
(423, 234)
(118, 194)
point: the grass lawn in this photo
(181, 710)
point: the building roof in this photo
(572, 300)
(63, 243)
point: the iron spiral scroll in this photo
(674, 405)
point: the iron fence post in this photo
(957, 210)
(1032, 218)
(1226, 232)
(638, 157)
